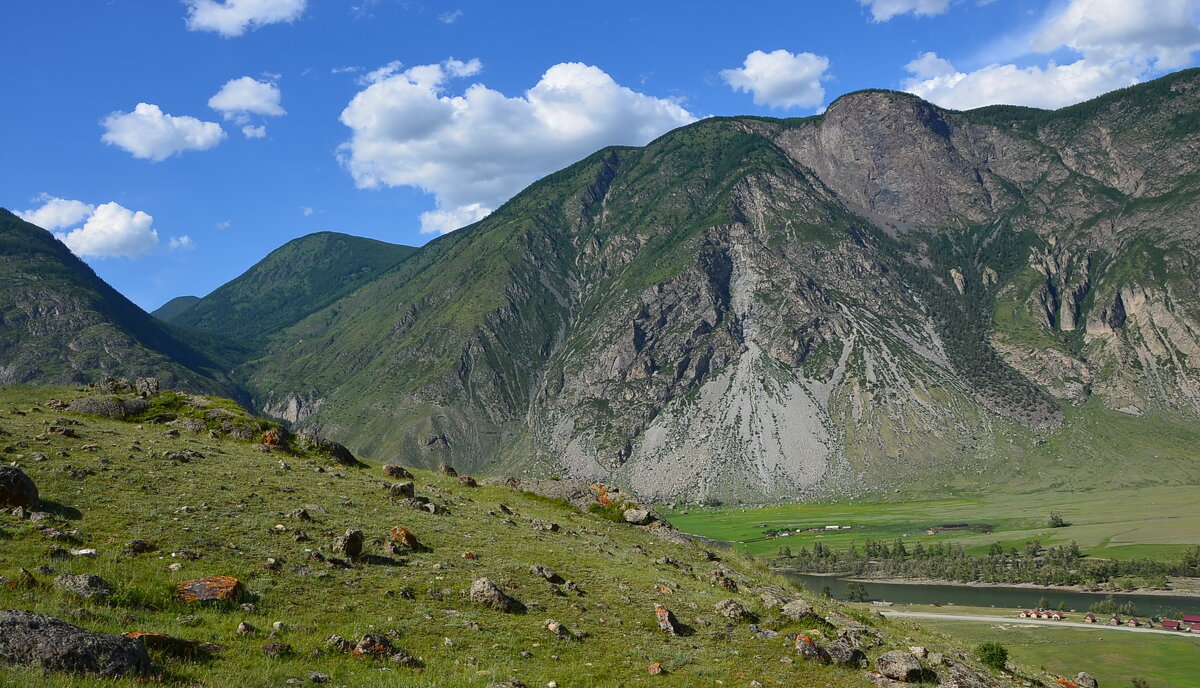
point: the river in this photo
(1170, 606)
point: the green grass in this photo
(113, 484)
(1157, 522)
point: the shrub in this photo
(992, 654)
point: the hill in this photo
(879, 298)
(60, 323)
(299, 278)
(171, 494)
(170, 309)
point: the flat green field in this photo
(1155, 522)
(1115, 658)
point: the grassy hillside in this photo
(174, 307)
(296, 279)
(212, 505)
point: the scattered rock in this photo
(169, 644)
(485, 592)
(276, 649)
(17, 489)
(87, 585)
(808, 648)
(405, 538)
(467, 481)
(246, 628)
(405, 490)
(402, 658)
(1086, 680)
(733, 611)
(350, 543)
(339, 643)
(899, 665)
(146, 386)
(447, 469)
(333, 450)
(301, 514)
(772, 599)
(372, 645)
(919, 652)
(318, 677)
(36, 640)
(211, 589)
(109, 407)
(393, 470)
(547, 573)
(139, 547)
(656, 669)
(638, 517)
(666, 620)
(842, 651)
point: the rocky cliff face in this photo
(751, 307)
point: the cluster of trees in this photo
(1033, 563)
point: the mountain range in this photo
(887, 296)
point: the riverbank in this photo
(1189, 591)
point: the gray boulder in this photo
(842, 651)
(638, 517)
(899, 665)
(333, 450)
(733, 611)
(350, 544)
(485, 592)
(797, 609)
(1085, 680)
(16, 488)
(36, 640)
(84, 585)
(109, 407)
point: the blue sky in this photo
(172, 144)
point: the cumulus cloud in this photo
(56, 213)
(151, 134)
(780, 79)
(883, 10)
(239, 98)
(1119, 43)
(113, 230)
(182, 243)
(475, 150)
(233, 17)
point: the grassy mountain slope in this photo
(60, 323)
(750, 307)
(114, 481)
(174, 307)
(300, 277)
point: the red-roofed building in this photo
(1170, 625)
(1190, 618)
(1090, 618)
(1196, 628)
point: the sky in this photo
(172, 144)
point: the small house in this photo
(1133, 622)
(1058, 616)
(1195, 628)
(1190, 618)
(1115, 620)
(1027, 614)
(1043, 614)
(1090, 618)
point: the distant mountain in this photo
(61, 324)
(174, 307)
(889, 294)
(299, 278)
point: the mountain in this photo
(299, 278)
(886, 295)
(61, 324)
(172, 308)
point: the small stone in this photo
(733, 611)
(798, 609)
(301, 515)
(392, 470)
(350, 543)
(245, 628)
(339, 643)
(87, 585)
(899, 665)
(318, 677)
(276, 649)
(808, 648)
(666, 620)
(373, 645)
(279, 626)
(405, 537)
(1086, 680)
(485, 592)
(467, 481)
(211, 589)
(655, 669)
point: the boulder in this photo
(16, 488)
(797, 609)
(733, 611)
(1086, 680)
(87, 585)
(547, 573)
(109, 407)
(638, 517)
(404, 537)
(393, 470)
(211, 589)
(842, 651)
(404, 490)
(349, 543)
(772, 599)
(467, 481)
(808, 648)
(146, 386)
(960, 675)
(373, 645)
(899, 665)
(667, 622)
(333, 450)
(36, 640)
(447, 469)
(169, 644)
(485, 592)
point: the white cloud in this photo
(1108, 30)
(306, 211)
(240, 98)
(151, 134)
(233, 17)
(883, 10)
(56, 213)
(450, 17)
(182, 243)
(1052, 87)
(223, 224)
(474, 151)
(112, 231)
(1119, 43)
(252, 132)
(780, 79)
(377, 75)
